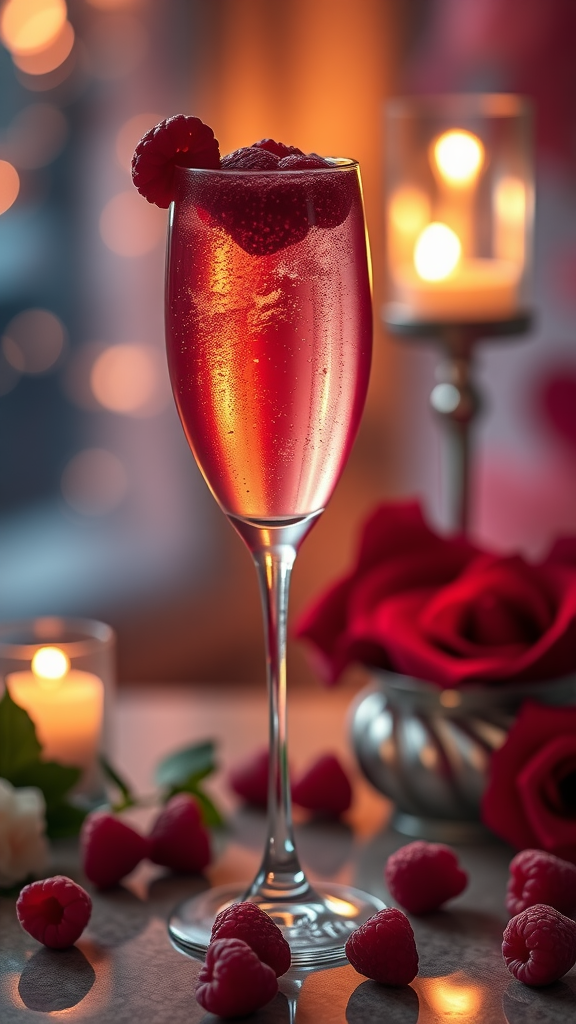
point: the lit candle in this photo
(66, 706)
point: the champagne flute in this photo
(269, 332)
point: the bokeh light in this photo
(9, 185)
(409, 209)
(94, 482)
(28, 26)
(130, 226)
(124, 379)
(459, 155)
(33, 341)
(129, 136)
(437, 252)
(36, 136)
(49, 58)
(50, 663)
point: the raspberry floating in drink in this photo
(54, 911)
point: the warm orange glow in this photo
(33, 341)
(9, 185)
(94, 482)
(454, 998)
(459, 156)
(131, 227)
(437, 252)
(112, 5)
(50, 663)
(130, 134)
(51, 57)
(28, 26)
(123, 378)
(409, 210)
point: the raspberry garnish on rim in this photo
(178, 141)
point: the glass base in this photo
(316, 931)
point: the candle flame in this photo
(50, 665)
(459, 156)
(437, 252)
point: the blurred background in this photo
(102, 510)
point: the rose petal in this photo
(502, 808)
(553, 829)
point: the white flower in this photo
(23, 846)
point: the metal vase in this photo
(429, 749)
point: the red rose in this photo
(530, 799)
(439, 609)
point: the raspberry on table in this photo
(324, 787)
(384, 948)
(250, 779)
(248, 922)
(178, 839)
(422, 876)
(540, 877)
(178, 141)
(539, 945)
(55, 911)
(110, 849)
(233, 982)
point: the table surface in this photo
(124, 968)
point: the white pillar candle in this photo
(66, 706)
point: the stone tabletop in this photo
(125, 970)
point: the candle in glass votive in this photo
(66, 706)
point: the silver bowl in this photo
(429, 749)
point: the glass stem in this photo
(273, 548)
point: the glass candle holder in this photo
(61, 671)
(459, 208)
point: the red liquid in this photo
(269, 355)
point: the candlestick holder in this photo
(459, 209)
(61, 671)
(455, 398)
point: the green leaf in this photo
(211, 816)
(63, 820)
(128, 798)
(55, 780)
(19, 745)
(196, 761)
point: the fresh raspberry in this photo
(540, 877)
(178, 839)
(110, 849)
(324, 788)
(539, 945)
(180, 140)
(302, 162)
(278, 148)
(55, 911)
(248, 922)
(384, 948)
(233, 982)
(250, 158)
(422, 876)
(250, 780)
(265, 219)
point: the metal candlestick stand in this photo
(455, 398)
